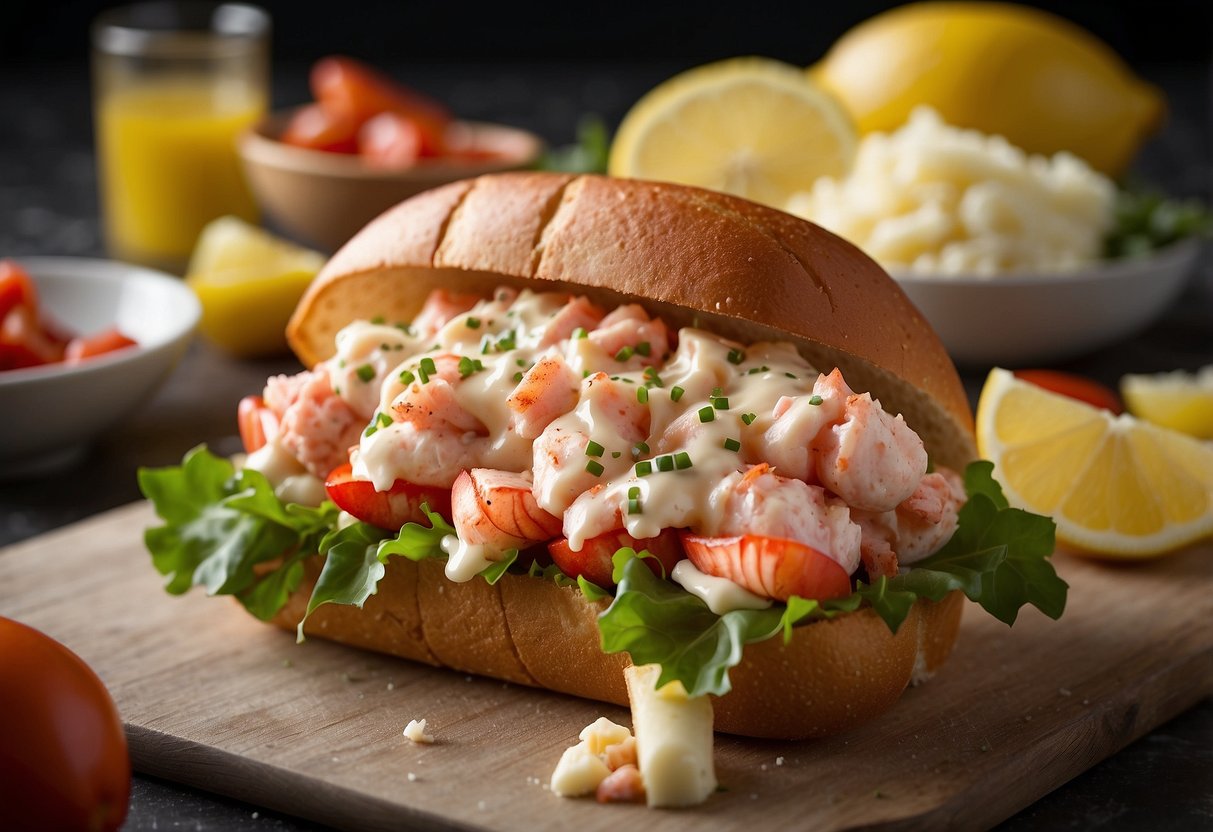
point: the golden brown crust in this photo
(834, 675)
(745, 271)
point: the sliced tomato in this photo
(18, 356)
(20, 328)
(593, 560)
(771, 567)
(317, 127)
(345, 85)
(16, 289)
(89, 346)
(390, 140)
(258, 424)
(389, 509)
(1075, 387)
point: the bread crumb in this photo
(412, 777)
(256, 815)
(415, 732)
(481, 805)
(1064, 691)
(779, 761)
(391, 685)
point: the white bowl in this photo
(52, 413)
(1022, 319)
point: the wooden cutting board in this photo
(215, 699)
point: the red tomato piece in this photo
(1075, 387)
(389, 509)
(345, 85)
(390, 140)
(16, 289)
(20, 328)
(258, 424)
(89, 346)
(771, 567)
(317, 127)
(63, 755)
(18, 357)
(593, 561)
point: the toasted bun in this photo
(742, 270)
(832, 676)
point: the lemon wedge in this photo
(1179, 401)
(248, 282)
(1114, 485)
(753, 127)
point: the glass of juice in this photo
(174, 84)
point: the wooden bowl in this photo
(324, 198)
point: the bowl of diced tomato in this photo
(325, 169)
(82, 343)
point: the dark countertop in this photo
(48, 205)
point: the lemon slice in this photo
(1114, 485)
(1179, 401)
(753, 127)
(248, 282)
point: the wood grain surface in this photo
(215, 699)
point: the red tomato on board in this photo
(771, 567)
(1075, 387)
(348, 86)
(390, 140)
(389, 509)
(319, 128)
(63, 756)
(593, 561)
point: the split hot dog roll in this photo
(555, 425)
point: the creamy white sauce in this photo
(720, 594)
(465, 560)
(275, 461)
(304, 489)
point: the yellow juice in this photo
(168, 164)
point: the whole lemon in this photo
(1040, 81)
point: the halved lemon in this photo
(1114, 485)
(248, 282)
(753, 127)
(1179, 401)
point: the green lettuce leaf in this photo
(997, 557)
(227, 532)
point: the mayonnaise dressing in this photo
(465, 560)
(720, 594)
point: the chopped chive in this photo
(506, 342)
(385, 346)
(616, 454)
(407, 329)
(365, 373)
(467, 366)
(665, 463)
(579, 333)
(682, 460)
(423, 375)
(731, 444)
(383, 420)
(791, 375)
(337, 390)
(378, 319)
(634, 506)
(707, 414)
(624, 353)
(594, 467)
(815, 400)
(749, 418)
(644, 468)
(634, 492)
(585, 373)
(736, 356)
(427, 364)
(517, 377)
(592, 448)
(720, 403)
(371, 430)
(473, 323)
(407, 378)
(642, 395)
(640, 449)
(521, 362)
(341, 363)
(651, 374)
(644, 348)
(676, 393)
